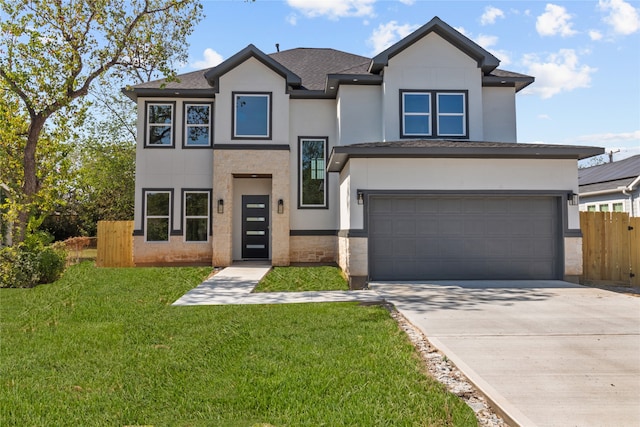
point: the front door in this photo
(255, 227)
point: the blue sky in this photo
(585, 55)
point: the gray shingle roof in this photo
(321, 71)
(314, 64)
(624, 171)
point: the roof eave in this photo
(134, 94)
(518, 82)
(340, 155)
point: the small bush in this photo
(25, 266)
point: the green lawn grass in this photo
(296, 279)
(103, 347)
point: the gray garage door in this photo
(463, 237)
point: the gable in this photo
(250, 52)
(484, 60)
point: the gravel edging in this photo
(446, 373)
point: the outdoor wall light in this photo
(220, 206)
(360, 198)
(280, 206)
(573, 199)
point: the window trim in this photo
(147, 125)
(434, 114)
(403, 133)
(301, 140)
(186, 126)
(183, 219)
(170, 229)
(234, 135)
(463, 114)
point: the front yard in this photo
(105, 347)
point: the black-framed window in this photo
(251, 115)
(197, 124)
(157, 215)
(433, 114)
(159, 119)
(312, 153)
(197, 215)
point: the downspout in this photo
(630, 188)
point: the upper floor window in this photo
(313, 174)
(251, 115)
(159, 120)
(433, 114)
(197, 125)
(157, 215)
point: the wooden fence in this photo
(611, 247)
(115, 244)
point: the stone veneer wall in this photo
(322, 249)
(176, 251)
(226, 163)
(353, 255)
(572, 258)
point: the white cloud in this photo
(609, 137)
(486, 41)
(333, 9)
(559, 72)
(623, 17)
(408, 2)
(544, 117)
(490, 15)
(387, 34)
(211, 59)
(595, 35)
(292, 19)
(555, 20)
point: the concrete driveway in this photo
(546, 353)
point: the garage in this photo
(464, 237)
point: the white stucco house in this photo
(402, 166)
(612, 187)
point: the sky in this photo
(585, 55)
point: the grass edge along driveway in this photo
(105, 347)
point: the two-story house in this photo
(400, 166)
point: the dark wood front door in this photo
(255, 227)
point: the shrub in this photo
(25, 266)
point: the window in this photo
(416, 119)
(197, 125)
(591, 208)
(433, 114)
(159, 131)
(451, 114)
(604, 208)
(313, 175)
(251, 115)
(196, 216)
(618, 207)
(157, 215)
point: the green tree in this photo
(52, 52)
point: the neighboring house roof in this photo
(317, 72)
(456, 148)
(610, 176)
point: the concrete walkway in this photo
(233, 285)
(546, 353)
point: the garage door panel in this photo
(406, 225)
(464, 237)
